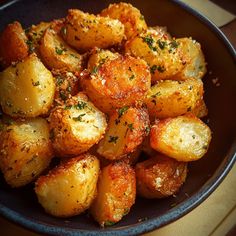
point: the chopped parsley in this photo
(113, 139)
(59, 51)
(81, 105)
(173, 45)
(63, 31)
(122, 111)
(36, 83)
(59, 80)
(62, 95)
(158, 68)
(131, 126)
(156, 94)
(94, 70)
(131, 77)
(79, 117)
(109, 223)
(30, 45)
(161, 44)
(147, 130)
(149, 41)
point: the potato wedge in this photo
(117, 82)
(76, 126)
(184, 138)
(13, 46)
(84, 31)
(126, 130)
(127, 14)
(57, 54)
(171, 98)
(163, 55)
(25, 151)
(69, 189)
(160, 176)
(27, 89)
(196, 65)
(116, 193)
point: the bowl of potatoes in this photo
(116, 118)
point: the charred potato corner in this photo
(96, 93)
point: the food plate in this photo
(20, 206)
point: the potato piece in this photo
(160, 176)
(126, 130)
(184, 138)
(163, 55)
(84, 31)
(13, 45)
(127, 14)
(27, 89)
(76, 126)
(116, 82)
(196, 65)
(25, 151)
(116, 193)
(171, 98)
(57, 54)
(70, 188)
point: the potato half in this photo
(160, 176)
(126, 130)
(116, 193)
(25, 151)
(127, 14)
(84, 31)
(117, 82)
(76, 126)
(184, 138)
(171, 98)
(13, 44)
(69, 189)
(27, 89)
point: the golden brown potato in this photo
(84, 31)
(160, 176)
(116, 193)
(13, 46)
(27, 89)
(127, 14)
(184, 138)
(76, 126)
(163, 55)
(171, 98)
(196, 65)
(116, 82)
(56, 53)
(70, 188)
(126, 130)
(25, 151)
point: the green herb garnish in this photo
(113, 139)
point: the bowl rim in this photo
(150, 224)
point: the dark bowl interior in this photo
(21, 205)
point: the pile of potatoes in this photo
(99, 92)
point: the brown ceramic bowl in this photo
(20, 205)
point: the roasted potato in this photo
(13, 46)
(76, 126)
(56, 53)
(84, 31)
(163, 55)
(70, 188)
(116, 193)
(184, 138)
(170, 98)
(127, 14)
(27, 89)
(117, 82)
(25, 150)
(196, 65)
(160, 176)
(126, 130)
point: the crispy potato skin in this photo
(163, 55)
(27, 89)
(160, 176)
(13, 45)
(126, 130)
(70, 188)
(128, 15)
(184, 138)
(114, 83)
(56, 53)
(84, 31)
(171, 98)
(195, 65)
(76, 126)
(25, 151)
(116, 193)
